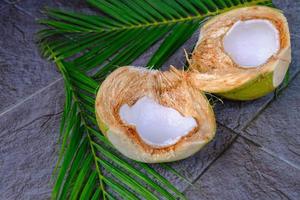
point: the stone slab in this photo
(22, 70)
(28, 145)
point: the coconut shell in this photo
(213, 70)
(128, 84)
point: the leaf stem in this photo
(63, 70)
(177, 20)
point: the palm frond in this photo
(129, 28)
(88, 167)
(85, 151)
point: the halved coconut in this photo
(242, 54)
(152, 116)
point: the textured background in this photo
(255, 155)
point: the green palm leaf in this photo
(80, 174)
(88, 167)
(129, 28)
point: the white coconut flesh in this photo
(156, 124)
(251, 43)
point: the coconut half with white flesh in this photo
(243, 54)
(152, 116)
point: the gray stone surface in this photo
(22, 69)
(37, 10)
(28, 149)
(2, 5)
(278, 127)
(247, 172)
(237, 114)
(18, 30)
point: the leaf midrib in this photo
(75, 98)
(180, 20)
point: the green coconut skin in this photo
(254, 89)
(102, 126)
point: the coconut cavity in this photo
(156, 124)
(251, 43)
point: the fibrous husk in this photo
(213, 70)
(127, 85)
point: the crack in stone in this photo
(29, 97)
(21, 31)
(49, 116)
